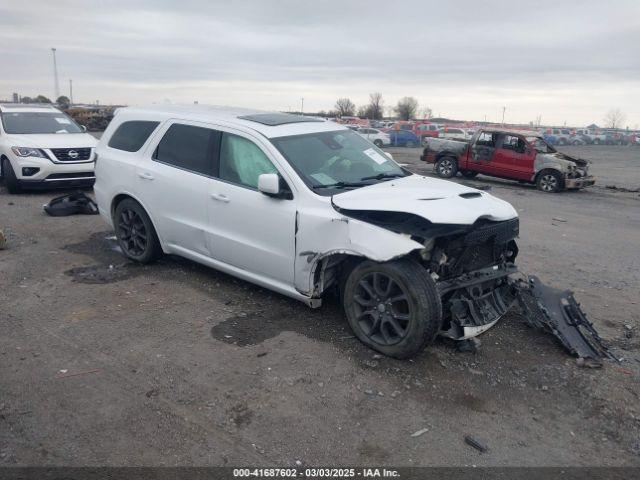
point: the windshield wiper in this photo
(382, 176)
(341, 185)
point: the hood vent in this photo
(471, 195)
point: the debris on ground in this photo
(475, 443)
(557, 311)
(420, 432)
(65, 374)
(469, 345)
(77, 203)
(3, 240)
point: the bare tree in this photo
(345, 107)
(614, 119)
(375, 107)
(407, 108)
(426, 113)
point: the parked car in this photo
(508, 154)
(41, 147)
(403, 138)
(426, 130)
(375, 136)
(451, 132)
(304, 207)
(562, 136)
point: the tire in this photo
(446, 167)
(378, 143)
(468, 173)
(10, 180)
(135, 233)
(550, 181)
(410, 144)
(392, 307)
(596, 141)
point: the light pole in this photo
(302, 106)
(55, 75)
(503, 109)
(70, 92)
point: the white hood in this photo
(52, 140)
(438, 201)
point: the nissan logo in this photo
(73, 154)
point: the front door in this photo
(248, 229)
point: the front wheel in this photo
(11, 181)
(392, 307)
(550, 181)
(446, 167)
(135, 233)
(378, 143)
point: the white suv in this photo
(41, 147)
(306, 207)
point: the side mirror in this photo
(269, 184)
(84, 129)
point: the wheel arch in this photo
(117, 199)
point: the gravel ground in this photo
(103, 362)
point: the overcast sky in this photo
(569, 61)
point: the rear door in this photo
(482, 152)
(174, 181)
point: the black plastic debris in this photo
(71, 204)
(558, 312)
(475, 443)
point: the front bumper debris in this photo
(579, 182)
(557, 312)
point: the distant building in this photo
(16, 98)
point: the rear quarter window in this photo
(131, 136)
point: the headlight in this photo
(28, 152)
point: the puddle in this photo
(100, 274)
(254, 328)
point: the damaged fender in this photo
(320, 235)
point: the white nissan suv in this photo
(41, 147)
(306, 207)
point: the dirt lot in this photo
(107, 363)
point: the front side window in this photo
(336, 160)
(131, 136)
(242, 161)
(189, 147)
(24, 123)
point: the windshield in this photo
(39, 122)
(329, 161)
(540, 145)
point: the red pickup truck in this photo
(517, 155)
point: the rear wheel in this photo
(378, 143)
(392, 307)
(135, 233)
(596, 141)
(550, 181)
(11, 181)
(446, 167)
(410, 144)
(468, 173)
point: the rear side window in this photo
(188, 147)
(130, 136)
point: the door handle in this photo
(145, 176)
(220, 197)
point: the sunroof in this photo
(273, 119)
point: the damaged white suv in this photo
(300, 206)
